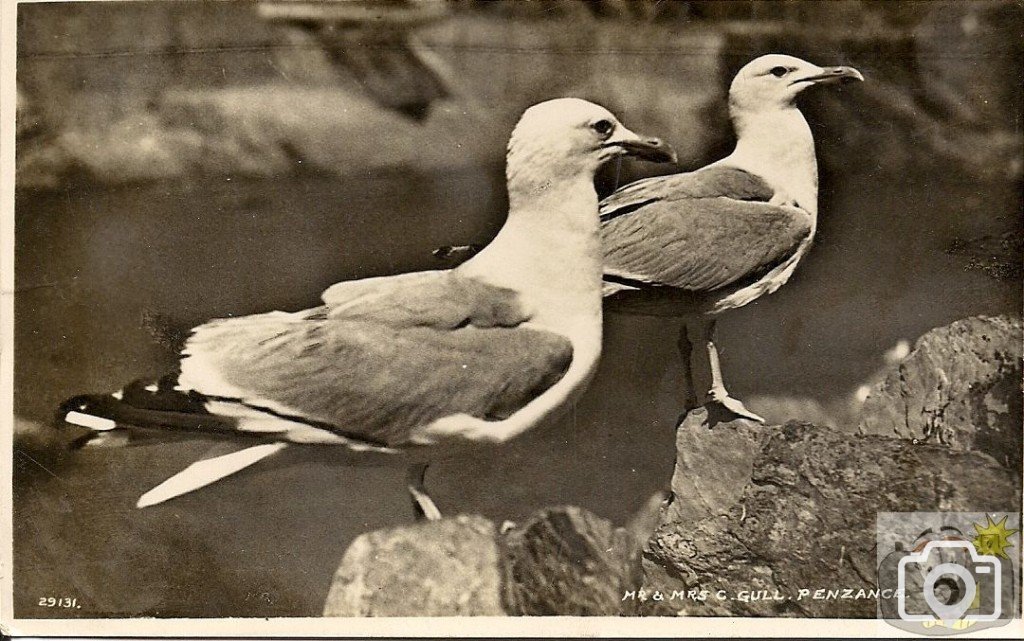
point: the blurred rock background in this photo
(165, 90)
(178, 161)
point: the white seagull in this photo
(697, 244)
(416, 366)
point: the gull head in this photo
(774, 81)
(569, 138)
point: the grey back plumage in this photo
(698, 233)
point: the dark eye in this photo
(603, 127)
(778, 72)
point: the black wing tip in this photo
(92, 404)
(612, 209)
(115, 419)
(91, 412)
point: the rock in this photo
(772, 510)
(442, 568)
(806, 519)
(646, 520)
(567, 561)
(714, 462)
(959, 387)
(757, 513)
(561, 561)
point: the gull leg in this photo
(685, 346)
(718, 393)
(422, 504)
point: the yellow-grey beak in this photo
(833, 74)
(643, 147)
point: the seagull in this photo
(417, 366)
(694, 245)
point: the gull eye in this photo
(603, 127)
(778, 72)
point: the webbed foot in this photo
(721, 397)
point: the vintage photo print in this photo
(512, 318)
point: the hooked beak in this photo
(643, 147)
(833, 74)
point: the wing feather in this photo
(699, 232)
(439, 299)
(705, 183)
(386, 361)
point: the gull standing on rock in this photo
(417, 366)
(697, 244)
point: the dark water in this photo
(103, 274)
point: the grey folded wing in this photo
(385, 356)
(698, 232)
(709, 182)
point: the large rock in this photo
(767, 511)
(806, 520)
(567, 561)
(561, 561)
(959, 387)
(757, 513)
(714, 461)
(277, 101)
(444, 568)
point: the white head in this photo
(773, 140)
(774, 81)
(571, 138)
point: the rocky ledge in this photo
(754, 512)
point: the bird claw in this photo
(721, 397)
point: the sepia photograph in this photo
(512, 318)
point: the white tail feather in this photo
(203, 473)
